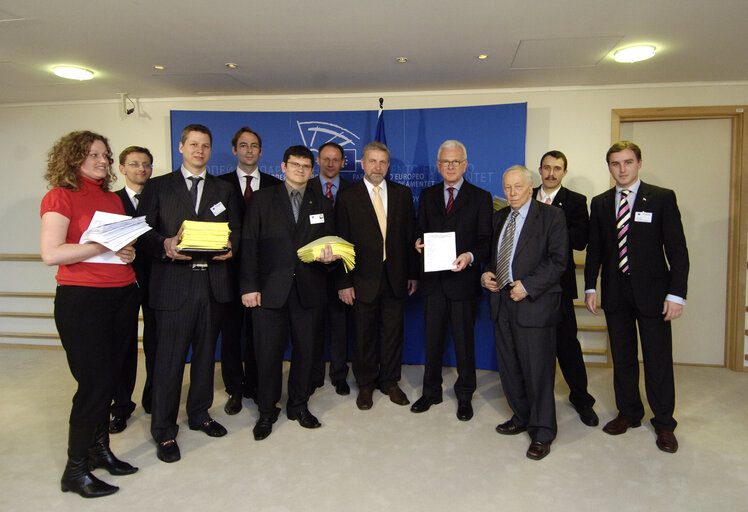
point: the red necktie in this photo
(451, 199)
(328, 192)
(548, 200)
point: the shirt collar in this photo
(186, 174)
(456, 186)
(633, 189)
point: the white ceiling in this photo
(334, 46)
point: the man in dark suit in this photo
(238, 364)
(633, 228)
(285, 293)
(378, 218)
(530, 247)
(450, 296)
(136, 164)
(189, 294)
(331, 158)
(553, 169)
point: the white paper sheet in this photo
(439, 251)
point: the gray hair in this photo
(451, 144)
(525, 172)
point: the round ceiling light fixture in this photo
(73, 72)
(634, 53)
(231, 65)
(401, 60)
(482, 56)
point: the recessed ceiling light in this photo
(159, 67)
(482, 56)
(231, 65)
(634, 53)
(73, 72)
(401, 60)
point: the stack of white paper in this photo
(114, 232)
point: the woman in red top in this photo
(96, 304)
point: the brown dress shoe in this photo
(397, 396)
(666, 441)
(364, 400)
(509, 428)
(619, 425)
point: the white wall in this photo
(574, 120)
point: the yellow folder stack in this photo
(204, 236)
(311, 251)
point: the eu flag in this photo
(380, 136)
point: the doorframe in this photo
(735, 325)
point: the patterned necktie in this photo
(193, 189)
(295, 204)
(248, 189)
(622, 225)
(548, 200)
(328, 192)
(451, 199)
(505, 252)
(382, 219)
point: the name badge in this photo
(217, 208)
(643, 217)
(317, 218)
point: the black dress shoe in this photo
(78, 478)
(168, 451)
(342, 387)
(101, 456)
(509, 428)
(212, 428)
(538, 450)
(365, 400)
(233, 405)
(588, 416)
(424, 403)
(464, 410)
(263, 428)
(117, 424)
(305, 418)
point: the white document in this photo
(114, 232)
(439, 251)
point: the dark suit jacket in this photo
(470, 219)
(539, 262)
(270, 239)
(574, 206)
(142, 262)
(648, 244)
(266, 180)
(166, 203)
(357, 223)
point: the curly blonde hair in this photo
(68, 154)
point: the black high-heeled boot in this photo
(77, 477)
(101, 456)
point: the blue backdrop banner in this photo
(494, 136)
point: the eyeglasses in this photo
(450, 163)
(296, 166)
(136, 165)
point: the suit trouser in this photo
(657, 353)
(238, 363)
(96, 326)
(122, 402)
(378, 325)
(527, 368)
(336, 319)
(570, 359)
(438, 310)
(195, 324)
(271, 329)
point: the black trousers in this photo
(336, 321)
(460, 314)
(122, 400)
(96, 327)
(238, 363)
(195, 325)
(657, 353)
(570, 359)
(271, 330)
(378, 339)
(527, 368)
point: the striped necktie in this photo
(451, 199)
(505, 251)
(622, 226)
